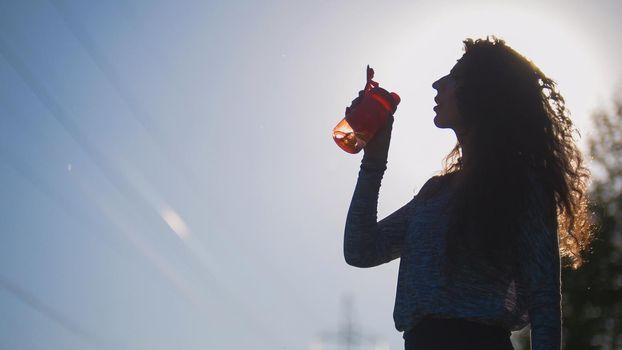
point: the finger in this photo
(391, 119)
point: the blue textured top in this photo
(415, 233)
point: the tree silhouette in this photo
(592, 294)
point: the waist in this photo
(458, 327)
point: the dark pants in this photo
(456, 334)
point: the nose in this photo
(437, 84)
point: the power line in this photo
(120, 183)
(115, 178)
(107, 68)
(52, 314)
(112, 75)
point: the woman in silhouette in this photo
(480, 244)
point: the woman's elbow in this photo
(359, 252)
(352, 260)
(358, 260)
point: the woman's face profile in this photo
(447, 114)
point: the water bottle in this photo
(364, 119)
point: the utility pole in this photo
(348, 336)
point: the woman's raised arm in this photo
(367, 242)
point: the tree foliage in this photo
(592, 294)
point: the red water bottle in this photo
(363, 120)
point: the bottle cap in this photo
(389, 100)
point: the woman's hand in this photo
(377, 149)
(355, 102)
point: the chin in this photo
(439, 123)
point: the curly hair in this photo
(518, 126)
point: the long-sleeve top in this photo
(416, 234)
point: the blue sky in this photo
(167, 173)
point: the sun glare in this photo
(427, 42)
(429, 47)
(175, 222)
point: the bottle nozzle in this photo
(396, 98)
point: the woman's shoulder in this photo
(434, 184)
(431, 182)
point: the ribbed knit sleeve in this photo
(541, 268)
(367, 242)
